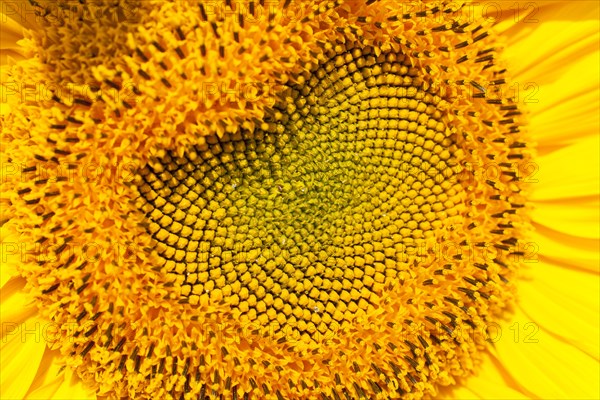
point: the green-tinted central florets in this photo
(297, 224)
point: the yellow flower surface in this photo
(299, 199)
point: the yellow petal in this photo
(10, 56)
(22, 351)
(578, 288)
(21, 14)
(549, 59)
(490, 382)
(10, 254)
(546, 60)
(16, 306)
(573, 171)
(579, 220)
(49, 376)
(57, 383)
(545, 365)
(563, 250)
(519, 25)
(4, 278)
(556, 79)
(566, 109)
(11, 32)
(565, 303)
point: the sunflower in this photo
(299, 199)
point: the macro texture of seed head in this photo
(300, 218)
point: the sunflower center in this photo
(298, 224)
